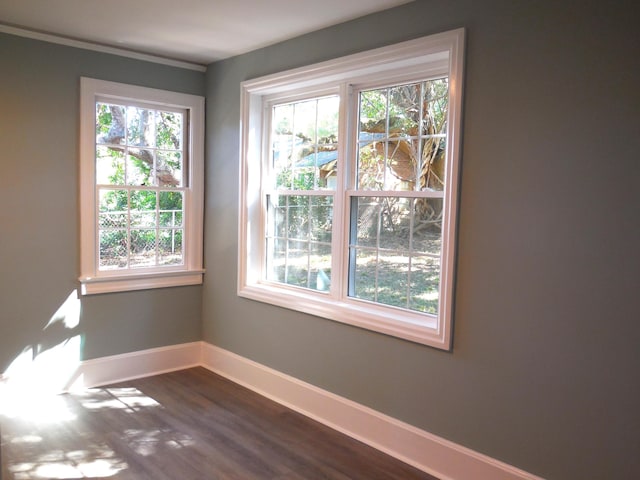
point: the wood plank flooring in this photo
(190, 424)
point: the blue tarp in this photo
(322, 158)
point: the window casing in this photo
(348, 188)
(141, 186)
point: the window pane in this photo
(140, 127)
(110, 124)
(393, 277)
(298, 217)
(170, 247)
(305, 120)
(320, 263)
(383, 222)
(143, 200)
(395, 220)
(170, 201)
(109, 166)
(169, 169)
(373, 111)
(112, 223)
(425, 284)
(320, 217)
(426, 233)
(437, 105)
(113, 208)
(432, 173)
(404, 108)
(143, 219)
(169, 130)
(137, 209)
(395, 251)
(371, 165)
(367, 221)
(170, 209)
(113, 249)
(140, 167)
(277, 252)
(299, 240)
(297, 266)
(143, 248)
(282, 141)
(364, 274)
(402, 137)
(304, 139)
(381, 276)
(277, 216)
(110, 220)
(328, 108)
(171, 218)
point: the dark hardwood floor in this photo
(190, 424)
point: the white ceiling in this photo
(196, 31)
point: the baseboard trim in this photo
(430, 453)
(128, 366)
(425, 451)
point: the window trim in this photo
(420, 58)
(94, 281)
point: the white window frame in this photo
(92, 279)
(414, 60)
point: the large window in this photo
(141, 187)
(349, 188)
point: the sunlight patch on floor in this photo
(98, 468)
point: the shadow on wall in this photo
(44, 435)
(50, 363)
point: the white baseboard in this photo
(427, 452)
(119, 368)
(55, 371)
(430, 453)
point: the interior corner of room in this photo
(543, 377)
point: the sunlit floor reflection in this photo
(80, 435)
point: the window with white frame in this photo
(348, 187)
(141, 183)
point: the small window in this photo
(141, 186)
(349, 188)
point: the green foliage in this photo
(404, 107)
(104, 119)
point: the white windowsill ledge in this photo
(417, 328)
(143, 281)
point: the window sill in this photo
(142, 281)
(414, 327)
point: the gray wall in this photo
(545, 369)
(544, 373)
(39, 208)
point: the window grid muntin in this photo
(419, 138)
(387, 137)
(177, 229)
(159, 231)
(126, 145)
(418, 192)
(315, 144)
(420, 58)
(289, 190)
(282, 234)
(411, 253)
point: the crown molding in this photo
(96, 47)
